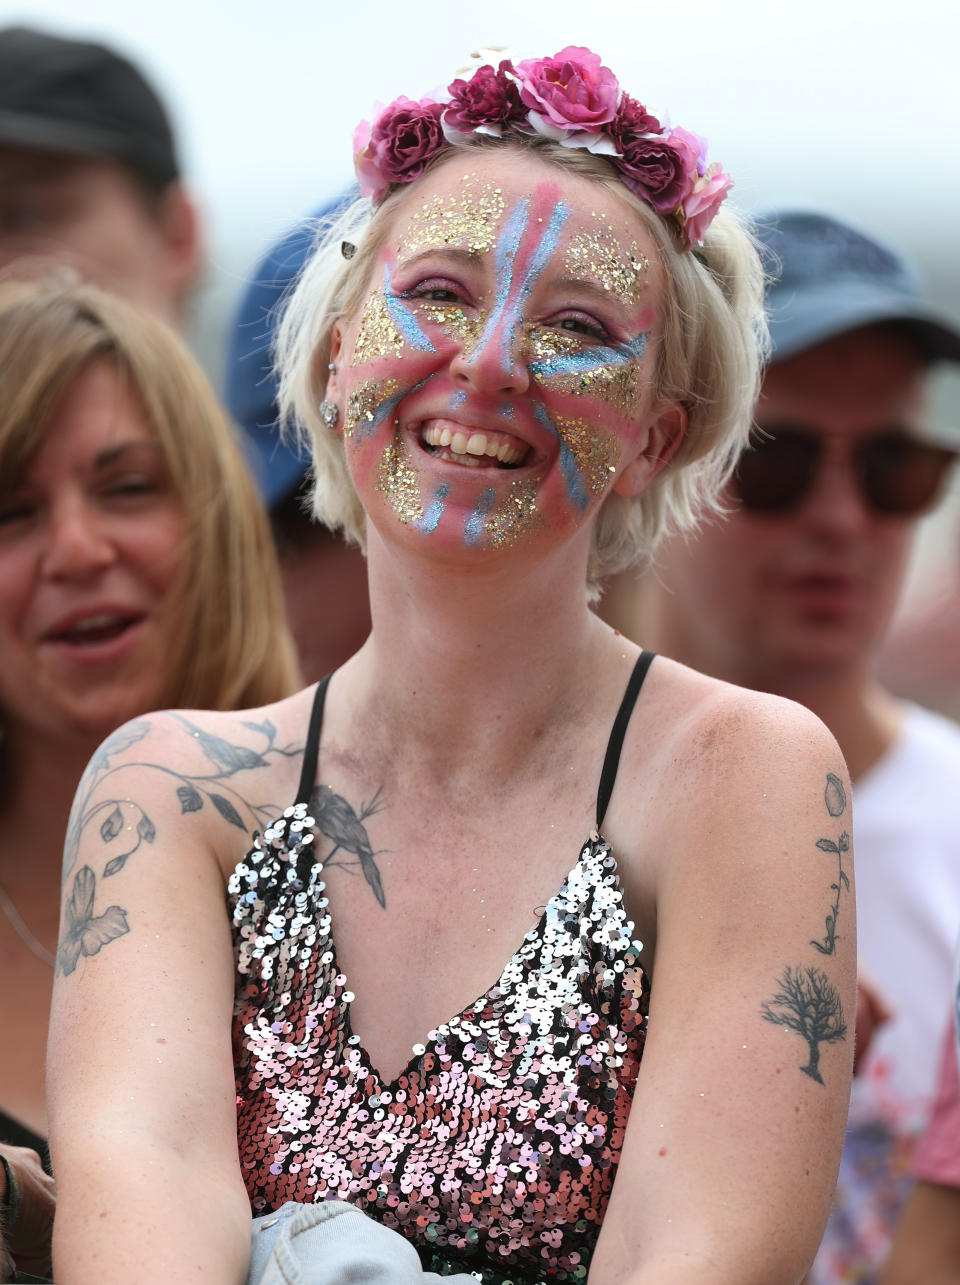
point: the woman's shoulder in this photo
(702, 717)
(209, 777)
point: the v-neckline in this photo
(429, 1041)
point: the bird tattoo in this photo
(335, 818)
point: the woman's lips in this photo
(96, 638)
(473, 447)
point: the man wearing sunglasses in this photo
(792, 594)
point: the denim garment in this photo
(333, 1243)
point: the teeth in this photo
(475, 444)
(94, 622)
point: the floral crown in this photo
(570, 98)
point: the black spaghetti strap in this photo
(312, 748)
(611, 759)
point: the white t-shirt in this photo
(906, 841)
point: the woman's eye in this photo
(582, 326)
(434, 292)
(132, 487)
(13, 512)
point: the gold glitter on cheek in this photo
(514, 515)
(399, 483)
(597, 457)
(600, 258)
(363, 404)
(377, 336)
(618, 385)
(466, 221)
(543, 344)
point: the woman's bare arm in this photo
(142, 1098)
(737, 1122)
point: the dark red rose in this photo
(659, 172)
(405, 137)
(631, 122)
(488, 98)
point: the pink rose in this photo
(709, 193)
(404, 137)
(632, 122)
(658, 170)
(488, 98)
(571, 90)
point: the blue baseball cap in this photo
(279, 467)
(826, 277)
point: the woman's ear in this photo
(333, 372)
(664, 435)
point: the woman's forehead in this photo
(467, 204)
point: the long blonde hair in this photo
(709, 360)
(233, 648)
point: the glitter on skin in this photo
(458, 399)
(467, 221)
(597, 457)
(609, 372)
(576, 487)
(473, 527)
(377, 336)
(398, 481)
(505, 319)
(369, 405)
(515, 514)
(601, 258)
(403, 318)
(435, 509)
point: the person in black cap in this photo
(792, 594)
(89, 173)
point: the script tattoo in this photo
(335, 818)
(126, 821)
(808, 1004)
(835, 798)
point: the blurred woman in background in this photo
(136, 570)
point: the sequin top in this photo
(495, 1149)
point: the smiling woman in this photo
(135, 570)
(437, 994)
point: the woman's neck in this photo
(477, 653)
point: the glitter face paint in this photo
(599, 257)
(465, 221)
(513, 314)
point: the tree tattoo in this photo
(834, 796)
(335, 818)
(84, 932)
(808, 1004)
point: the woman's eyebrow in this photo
(454, 252)
(104, 458)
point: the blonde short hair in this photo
(709, 360)
(233, 648)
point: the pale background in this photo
(852, 105)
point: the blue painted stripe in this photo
(576, 487)
(591, 359)
(473, 527)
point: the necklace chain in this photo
(16, 921)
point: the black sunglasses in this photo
(897, 474)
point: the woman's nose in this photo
(78, 544)
(496, 362)
(837, 504)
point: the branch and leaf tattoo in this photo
(125, 825)
(834, 796)
(807, 1002)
